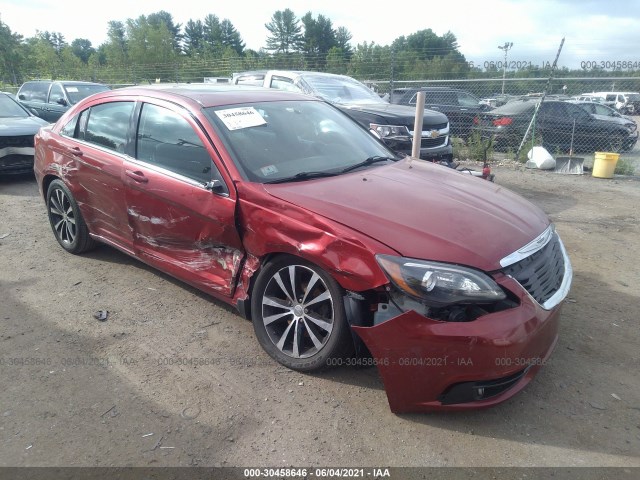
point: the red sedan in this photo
(340, 252)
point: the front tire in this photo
(298, 315)
(66, 220)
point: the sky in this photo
(594, 30)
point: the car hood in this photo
(14, 126)
(392, 111)
(618, 120)
(424, 211)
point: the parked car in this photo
(596, 107)
(392, 123)
(459, 106)
(562, 125)
(50, 99)
(283, 206)
(588, 98)
(624, 102)
(17, 128)
(603, 112)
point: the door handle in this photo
(138, 176)
(75, 151)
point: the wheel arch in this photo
(46, 181)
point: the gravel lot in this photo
(174, 378)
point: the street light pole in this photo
(506, 47)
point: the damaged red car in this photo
(339, 251)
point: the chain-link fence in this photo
(574, 116)
(579, 115)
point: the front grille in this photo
(540, 273)
(16, 141)
(438, 126)
(433, 142)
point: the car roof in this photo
(206, 94)
(66, 82)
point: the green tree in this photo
(370, 61)
(11, 54)
(42, 58)
(336, 61)
(193, 38)
(212, 35)
(343, 39)
(319, 37)
(230, 37)
(150, 42)
(81, 48)
(116, 47)
(285, 32)
(162, 17)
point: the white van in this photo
(624, 102)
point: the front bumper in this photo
(16, 160)
(434, 148)
(427, 364)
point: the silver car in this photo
(17, 128)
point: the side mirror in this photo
(216, 186)
(62, 101)
(21, 97)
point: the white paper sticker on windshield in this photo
(244, 117)
(72, 89)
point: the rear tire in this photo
(66, 221)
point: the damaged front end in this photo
(450, 337)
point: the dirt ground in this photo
(174, 378)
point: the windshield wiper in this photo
(368, 161)
(303, 176)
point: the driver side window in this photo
(167, 140)
(56, 93)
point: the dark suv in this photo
(393, 124)
(50, 99)
(459, 106)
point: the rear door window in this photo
(108, 125)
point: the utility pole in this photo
(506, 47)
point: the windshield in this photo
(272, 141)
(10, 108)
(337, 89)
(79, 91)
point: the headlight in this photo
(386, 131)
(440, 284)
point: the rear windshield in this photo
(514, 108)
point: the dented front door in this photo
(179, 224)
